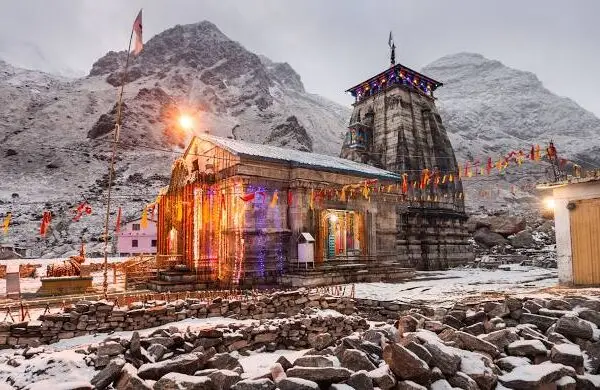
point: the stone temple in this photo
(396, 126)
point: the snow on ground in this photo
(258, 363)
(440, 286)
(45, 262)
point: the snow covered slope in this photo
(55, 133)
(490, 109)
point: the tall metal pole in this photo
(111, 166)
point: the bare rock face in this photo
(290, 134)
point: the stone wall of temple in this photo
(405, 134)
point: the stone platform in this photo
(174, 281)
(340, 272)
(65, 285)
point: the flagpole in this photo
(111, 166)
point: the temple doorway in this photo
(344, 234)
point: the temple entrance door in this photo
(344, 232)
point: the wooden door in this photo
(585, 242)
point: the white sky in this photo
(332, 44)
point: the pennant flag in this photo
(310, 200)
(84, 207)
(538, 153)
(532, 153)
(144, 221)
(488, 167)
(248, 197)
(424, 178)
(46, 219)
(444, 179)
(404, 183)
(6, 222)
(118, 225)
(290, 198)
(451, 178)
(179, 212)
(274, 199)
(137, 30)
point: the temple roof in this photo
(295, 158)
(393, 73)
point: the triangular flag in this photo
(274, 199)
(248, 197)
(144, 221)
(6, 222)
(310, 201)
(290, 197)
(137, 30)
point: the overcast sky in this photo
(332, 44)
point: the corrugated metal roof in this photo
(298, 158)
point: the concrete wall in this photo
(562, 222)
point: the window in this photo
(153, 244)
(134, 243)
(135, 226)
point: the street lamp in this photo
(186, 122)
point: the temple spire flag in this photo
(392, 47)
(137, 30)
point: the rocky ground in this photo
(511, 343)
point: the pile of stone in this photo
(88, 317)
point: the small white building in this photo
(133, 239)
(577, 225)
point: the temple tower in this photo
(396, 126)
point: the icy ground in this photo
(446, 286)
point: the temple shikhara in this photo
(395, 126)
(235, 213)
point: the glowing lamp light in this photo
(186, 122)
(549, 203)
(333, 218)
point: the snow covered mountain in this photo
(55, 133)
(490, 109)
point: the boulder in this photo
(523, 239)
(277, 373)
(224, 379)
(590, 315)
(254, 384)
(509, 363)
(472, 343)
(360, 381)
(316, 361)
(419, 350)
(527, 348)
(409, 385)
(477, 367)
(463, 381)
(443, 357)
(500, 338)
(441, 384)
(184, 364)
(588, 382)
(569, 355)
(488, 239)
(156, 352)
(297, 384)
(320, 374)
(110, 348)
(507, 224)
(178, 381)
(356, 360)
(224, 361)
(407, 323)
(129, 380)
(285, 363)
(320, 341)
(404, 363)
(572, 326)
(566, 383)
(108, 375)
(534, 376)
(542, 322)
(135, 347)
(382, 377)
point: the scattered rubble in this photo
(512, 343)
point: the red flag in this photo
(404, 183)
(137, 29)
(290, 197)
(532, 153)
(488, 167)
(118, 225)
(248, 197)
(46, 218)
